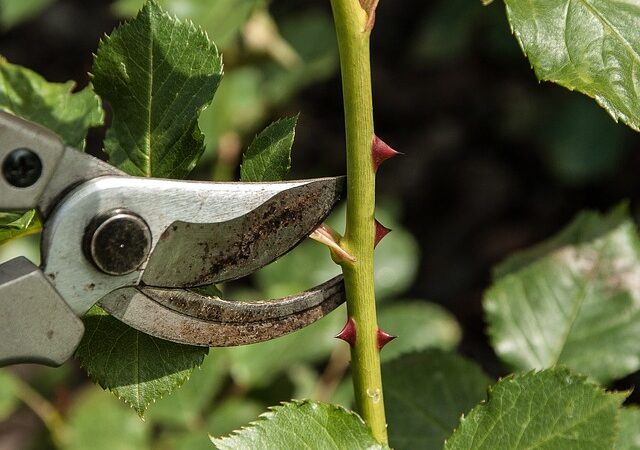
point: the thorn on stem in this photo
(348, 332)
(381, 232)
(380, 152)
(384, 338)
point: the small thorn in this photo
(348, 332)
(381, 232)
(384, 338)
(380, 152)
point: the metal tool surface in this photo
(136, 246)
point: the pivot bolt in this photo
(22, 168)
(117, 242)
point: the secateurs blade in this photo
(136, 246)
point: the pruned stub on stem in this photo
(370, 8)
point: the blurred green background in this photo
(494, 162)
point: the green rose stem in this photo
(353, 30)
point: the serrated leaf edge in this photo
(614, 114)
(272, 410)
(176, 20)
(181, 381)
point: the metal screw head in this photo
(22, 168)
(117, 242)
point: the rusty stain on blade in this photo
(190, 254)
(211, 322)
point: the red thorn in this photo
(348, 333)
(384, 338)
(380, 152)
(381, 232)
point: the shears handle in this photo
(36, 324)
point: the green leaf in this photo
(13, 225)
(54, 105)
(425, 394)
(138, 368)
(221, 19)
(157, 74)
(418, 325)
(303, 424)
(577, 306)
(8, 394)
(629, 432)
(14, 12)
(99, 422)
(268, 158)
(588, 45)
(552, 409)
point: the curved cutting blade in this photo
(190, 318)
(197, 254)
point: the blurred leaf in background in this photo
(629, 434)
(9, 399)
(253, 88)
(60, 107)
(582, 294)
(186, 407)
(98, 421)
(429, 391)
(418, 325)
(14, 12)
(221, 19)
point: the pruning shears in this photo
(139, 246)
